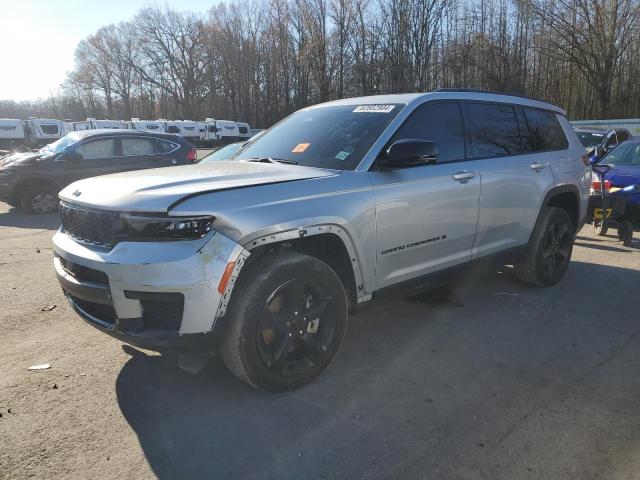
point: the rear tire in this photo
(286, 321)
(625, 233)
(550, 248)
(39, 199)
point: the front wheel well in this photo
(327, 247)
(27, 183)
(567, 201)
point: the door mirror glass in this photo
(410, 153)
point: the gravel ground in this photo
(503, 382)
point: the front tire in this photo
(39, 199)
(286, 321)
(549, 253)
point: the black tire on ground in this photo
(601, 227)
(550, 248)
(625, 233)
(39, 199)
(285, 322)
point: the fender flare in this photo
(362, 293)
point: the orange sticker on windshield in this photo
(301, 147)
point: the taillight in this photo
(192, 156)
(596, 187)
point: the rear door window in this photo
(493, 130)
(95, 149)
(542, 131)
(436, 122)
(137, 146)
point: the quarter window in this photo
(542, 131)
(137, 146)
(96, 149)
(493, 130)
(49, 129)
(436, 122)
(163, 146)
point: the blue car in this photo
(620, 169)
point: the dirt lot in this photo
(506, 382)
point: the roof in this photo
(443, 94)
(119, 131)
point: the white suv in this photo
(260, 258)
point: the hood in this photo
(624, 175)
(156, 190)
(15, 159)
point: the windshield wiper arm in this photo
(271, 160)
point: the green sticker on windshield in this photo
(342, 155)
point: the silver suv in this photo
(262, 257)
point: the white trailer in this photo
(244, 131)
(188, 129)
(156, 126)
(41, 131)
(12, 133)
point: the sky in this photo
(38, 38)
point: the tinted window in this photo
(440, 123)
(213, 129)
(493, 130)
(137, 146)
(102, 148)
(542, 131)
(590, 139)
(243, 130)
(173, 129)
(164, 146)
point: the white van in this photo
(155, 126)
(12, 133)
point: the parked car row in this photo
(37, 132)
(32, 180)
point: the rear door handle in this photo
(463, 177)
(537, 166)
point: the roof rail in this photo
(476, 90)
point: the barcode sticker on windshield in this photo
(374, 108)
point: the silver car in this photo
(261, 258)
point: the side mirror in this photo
(410, 153)
(72, 156)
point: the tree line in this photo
(259, 60)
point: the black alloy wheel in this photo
(296, 327)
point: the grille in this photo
(96, 227)
(106, 313)
(83, 273)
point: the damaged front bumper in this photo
(155, 295)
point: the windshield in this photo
(224, 153)
(590, 139)
(624, 154)
(335, 137)
(59, 146)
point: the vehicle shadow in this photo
(607, 248)
(12, 217)
(416, 388)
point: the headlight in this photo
(142, 228)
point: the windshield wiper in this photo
(270, 160)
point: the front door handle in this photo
(463, 177)
(537, 166)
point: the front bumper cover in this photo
(111, 295)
